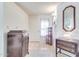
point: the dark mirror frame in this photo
(73, 19)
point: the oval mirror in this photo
(69, 18)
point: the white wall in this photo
(34, 26)
(15, 17)
(59, 31)
(1, 30)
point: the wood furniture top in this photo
(67, 44)
(70, 40)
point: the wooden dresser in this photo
(67, 44)
(17, 43)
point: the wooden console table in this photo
(68, 45)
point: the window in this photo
(44, 27)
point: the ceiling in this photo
(38, 7)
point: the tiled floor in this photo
(39, 49)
